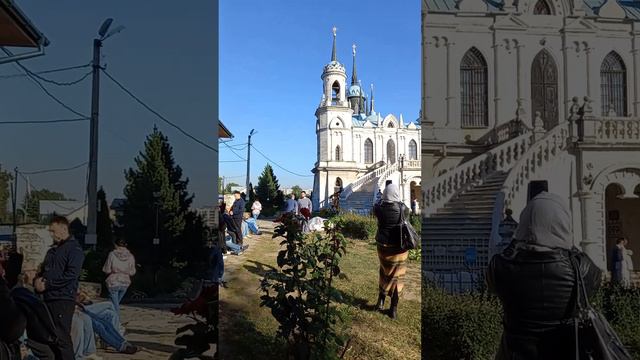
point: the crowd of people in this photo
(45, 315)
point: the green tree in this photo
(155, 173)
(296, 190)
(267, 189)
(5, 183)
(104, 225)
(227, 188)
(32, 202)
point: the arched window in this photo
(391, 151)
(390, 125)
(336, 92)
(413, 150)
(338, 154)
(613, 85)
(542, 8)
(473, 88)
(368, 151)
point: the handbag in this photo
(409, 238)
(595, 338)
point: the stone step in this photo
(486, 216)
(457, 226)
(469, 206)
(457, 222)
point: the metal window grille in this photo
(368, 151)
(613, 85)
(338, 153)
(473, 84)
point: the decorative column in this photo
(519, 71)
(587, 52)
(565, 70)
(634, 51)
(590, 244)
(447, 45)
(496, 98)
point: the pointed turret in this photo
(334, 55)
(354, 73)
(372, 109)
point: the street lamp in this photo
(252, 132)
(92, 184)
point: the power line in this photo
(276, 164)
(61, 83)
(55, 121)
(44, 89)
(234, 152)
(71, 210)
(231, 161)
(158, 114)
(55, 170)
(45, 71)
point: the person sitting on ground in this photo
(249, 225)
(256, 208)
(99, 318)
(13, 322)
(534, 279)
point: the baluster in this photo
(621, 128)
(545, 154)
(502, 158)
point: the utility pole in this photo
(91, 236)
(249, 161)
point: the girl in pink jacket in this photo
(120, 266)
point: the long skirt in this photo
(392, 269)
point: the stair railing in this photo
(547, 149)
(366, 178)
(439, 190)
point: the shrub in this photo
(300, 293)
(416, 222)
(622, 308)
(357, 226)
(460, 326)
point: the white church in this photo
(521, 90)
(358, 149)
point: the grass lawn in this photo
(247, 331)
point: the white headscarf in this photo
(391, 193)
(545, 222)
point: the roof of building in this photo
(223, 132)
(359, 120)
(631, 7)
(16, 29)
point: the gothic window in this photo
(473, 88)
(390, 125)
(613, 86)
(368, 151)
(544, 89)
(391, 151)
(413, 150)
(542, 8)
(338, 153)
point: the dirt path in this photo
(150, 327)
(247, 331)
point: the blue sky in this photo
(165, 55)
(271, 59)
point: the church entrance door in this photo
(544, 89)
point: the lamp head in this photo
(105, 27)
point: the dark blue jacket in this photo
(238, 208)
(61, 269)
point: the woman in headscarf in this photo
(535, 281)
(392, 256)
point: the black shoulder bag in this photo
(409, 238)
(595, 338)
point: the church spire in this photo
(354, 74)
(334, 56)
(372, 109)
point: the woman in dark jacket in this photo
(392, 256)
(535, 281)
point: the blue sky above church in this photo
(271, 60)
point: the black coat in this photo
(537, 291)
(61, 269)
(389, 220)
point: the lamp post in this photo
(156, 239)
(92, 183)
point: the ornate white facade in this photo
(539, 89)
(356, 146)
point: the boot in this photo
(380, 305)
(393, 310)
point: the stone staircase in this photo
(361, 201)
(457, 235)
